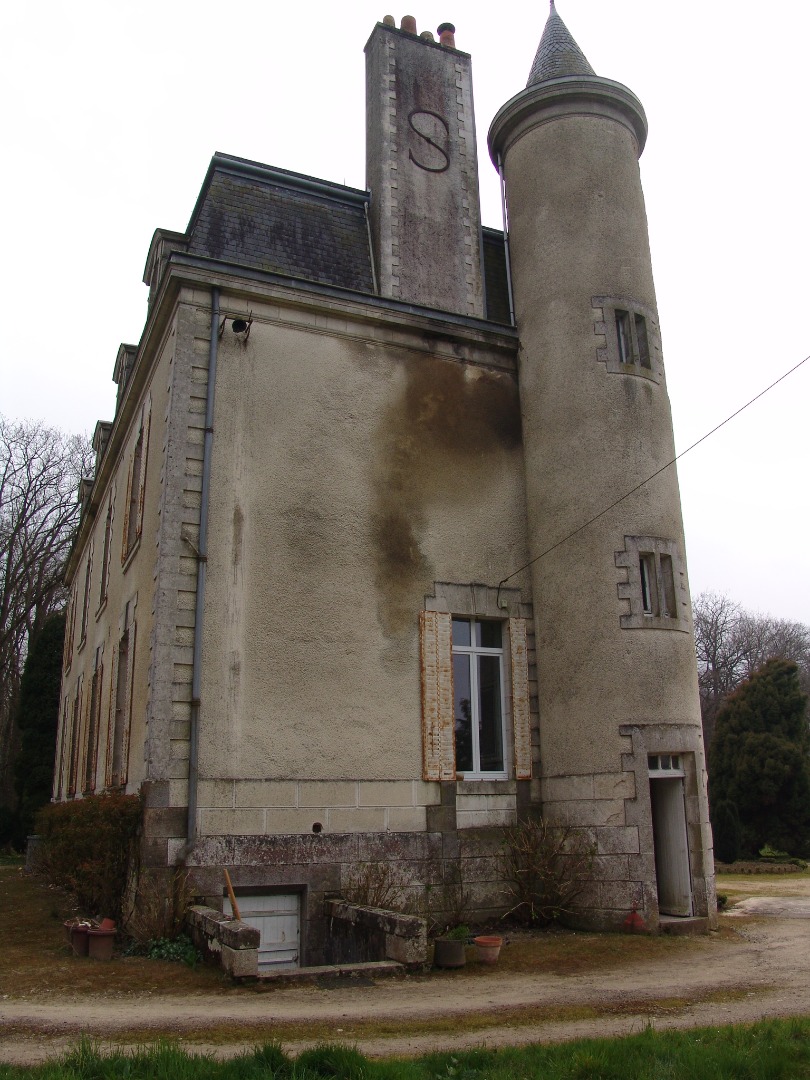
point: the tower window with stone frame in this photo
(629, 330)
(655, 589)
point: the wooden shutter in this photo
(127, 510)
(438, 744)
(128, 706)
(145, 425)
(521, 720)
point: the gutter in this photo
(202, 562)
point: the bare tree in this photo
(40, 470)
(732, 644)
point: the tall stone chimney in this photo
(421, 168)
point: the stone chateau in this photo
(355, 582)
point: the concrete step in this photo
(370, 969)
(676, 924)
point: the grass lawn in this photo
(773, 1050)
(38, 961)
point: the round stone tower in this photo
(622, 756)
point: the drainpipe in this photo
(506, 242)
(202, 560)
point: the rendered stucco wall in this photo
(350, 472)
(130, 580)
(593, 431)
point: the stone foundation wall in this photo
(359, 934)
(435, 871)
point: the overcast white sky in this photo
(113, 111)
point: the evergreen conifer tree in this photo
(37, 719)
(760, 761)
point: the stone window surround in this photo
(659, 739)
(605, 310)
(630, 590)
(476, 601)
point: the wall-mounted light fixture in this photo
(239, 324)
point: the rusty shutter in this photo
(520, 699)
(438, 750)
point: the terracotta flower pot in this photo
(488, 947)
(78, 940)
(449, 953)
(100, 944)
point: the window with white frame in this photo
(476, 686)
(665, 765)
(478, 698)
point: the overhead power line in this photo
(652, 476)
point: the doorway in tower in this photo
(670, 835)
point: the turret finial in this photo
(558, 54)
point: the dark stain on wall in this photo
(451, 419)
(238, 533)
(457, 408)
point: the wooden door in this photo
(277, 918)
(671, 846)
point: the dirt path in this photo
(762, 971)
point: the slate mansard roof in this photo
(268, 219)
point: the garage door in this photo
(277, 918)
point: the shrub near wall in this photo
(89, 847)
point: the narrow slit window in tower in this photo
(668, 586)
(624, 338)
(642, 341)
(646, 565)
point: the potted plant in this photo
(76, 930)
(448, 950)
(488, 947)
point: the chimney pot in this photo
(389, 20)
(427, 35)
(447, 35)
(408, 24)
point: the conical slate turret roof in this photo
(557, 54)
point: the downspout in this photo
(202, 561)
(506, 243)
(371, 252)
